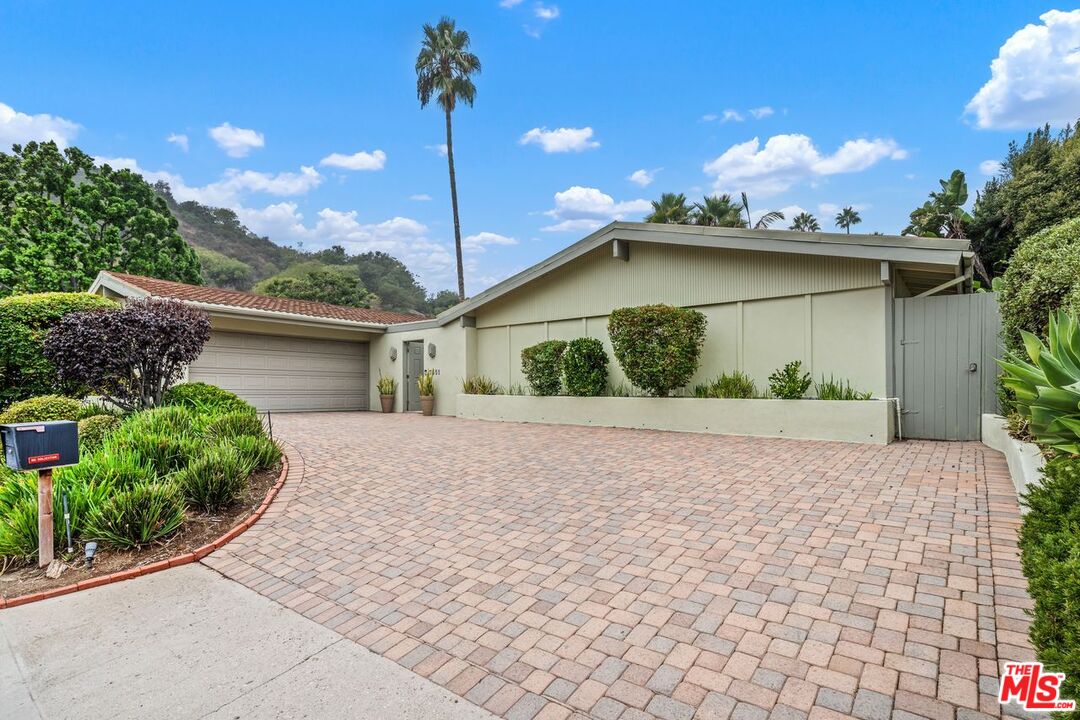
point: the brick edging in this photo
(154, 567)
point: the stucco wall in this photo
(454, 348)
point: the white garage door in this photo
(285, 374)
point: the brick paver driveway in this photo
(542, 571)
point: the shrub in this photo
(838, 390)
(789, 382)
(168, 420)
(116, 467)
(95, 430)
(480, 385)
(734, 385)
(657, 346)
(215, 478)
(260, 453)
(585, 367)
(93, 409)
(1046, 389)
(136, 516)
(42, 409)
(164, 453)
(541, 364)
(233, 425)
(24, 322)
(1041, 277)
(206, 399)
(132, 355)
(1050, 556)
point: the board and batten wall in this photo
(764, 309)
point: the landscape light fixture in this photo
(91, 549)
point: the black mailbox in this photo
(37, 446)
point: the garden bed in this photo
(198, 531)
(862, 421)
(1025, 459)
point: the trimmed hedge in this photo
(24, 322)
(95, 430)
(585, 367)
(542, 366)
(1050, 555)
(42, 409)
(202, 397)
(657, 346)
(1043, 275)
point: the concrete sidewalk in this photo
(188, 643)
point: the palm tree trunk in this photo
(453, 202)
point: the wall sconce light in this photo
(393, 354)
(431, 350)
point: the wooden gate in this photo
(944, 364)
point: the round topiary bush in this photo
(202, 397)
(657, 346)
(42, 409)
(24, 322)
(94, 430)
(1043, 275)
(542, 366)
(585, 367)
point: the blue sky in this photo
(304, 118)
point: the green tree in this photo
(394, 284)
(717, 211)
(765, 220)
(63, 219)
(943, 215)
(444, 70)
(327, 286)
(670, 209)
(1038, 187)
(221, 271)
(805, 222)
(442, 300)
(847, 217)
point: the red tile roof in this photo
(236, 298)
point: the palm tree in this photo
(765, 220)
(847, 217)
(443, 70)
(717, 211)
(805, 222)
(670, 209)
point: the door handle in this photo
(973, 367)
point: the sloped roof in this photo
(251, 301)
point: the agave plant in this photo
(1048, 387)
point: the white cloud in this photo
(357, 161)
(179, 140)
(236, 142)
(990, 167)
(731, 116)
(1035, 78)
(642, 177)
(546, 12)
(478, 242)
(420, 197)
(560, 140)
(584, 208)
(828, 210)
(789, 212)
(761, 112)
(709, 117)
(786, 160)
(509, 3)
(20, 128)
(440, 149)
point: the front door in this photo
(414, 367)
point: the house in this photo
(770, 296)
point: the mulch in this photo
(198, 530)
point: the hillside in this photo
(234, 257)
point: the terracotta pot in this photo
(387, 403)
(427, 404)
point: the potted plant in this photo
(426, 385)
(387, 390)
